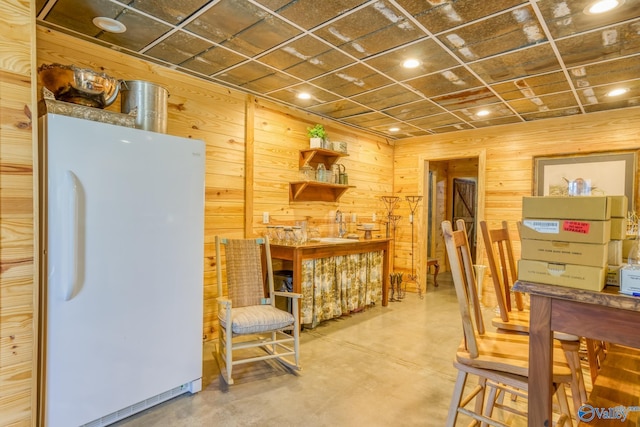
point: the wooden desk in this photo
(606, 315)
(298, 253)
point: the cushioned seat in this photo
(256, 318)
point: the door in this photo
(465, 207)
(124, 261)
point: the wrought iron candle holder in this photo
(413, 205)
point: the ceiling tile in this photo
(452, 80)
(610, 43)
(551, 114)
(471, 98)
(339, 109)
(506, 32)
(242, 26)
(352, 80)
(495, 122)
(256, 77)
(565, 18)
(306, 58)
(173, 12)
(387, 97)
(438, 15)
(310, 13)
(414, 110)
(370, 30)
(545, 103)
(178, 48)
(514, 65)
(78, 15)
(431, 56)
(498, 110)
(618, 70)
(435, 121)
(532, 86)
(599, 94)
(213, 60)
(289, 95)
(453, 128)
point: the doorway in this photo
(454, 189)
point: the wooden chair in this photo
(248, 317)
(516, 319)
(596, 353)
(501, 361)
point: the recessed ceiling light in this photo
(108, 24)
(602, 6)
(411, 63)
(482, 113)
(617, 92)
(304, 95)
(394, 129)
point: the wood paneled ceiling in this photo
(518, 60)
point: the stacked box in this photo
(565, 240)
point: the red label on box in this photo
(576, 227)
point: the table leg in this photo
(540, 362)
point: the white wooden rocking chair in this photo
(248, 317)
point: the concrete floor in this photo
(384, 366)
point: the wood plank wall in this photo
(18, 224)
(509, 152)
(219, 117)
(245, 137)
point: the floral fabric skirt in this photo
(334, 286)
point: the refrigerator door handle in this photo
(69, 279)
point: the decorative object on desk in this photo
(413, 205)
(579, 187)
(368, 228)
(79, 85)
(611, 173)
(317, 136)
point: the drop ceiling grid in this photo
(513, 75)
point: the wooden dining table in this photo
(606, 315)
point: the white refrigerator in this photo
(123, 258)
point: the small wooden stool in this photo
(434, 262)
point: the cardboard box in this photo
(619, 206)
(613, 275)
(615, 252)
(630, 281)
(579, 207)
(626, 247)
(618, 228)
(566, 230)
(569, 275)
(593, 254)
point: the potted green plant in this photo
(317, 135)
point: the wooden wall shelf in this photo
(314, 156)
(314, 191)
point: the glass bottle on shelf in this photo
(320, 172)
